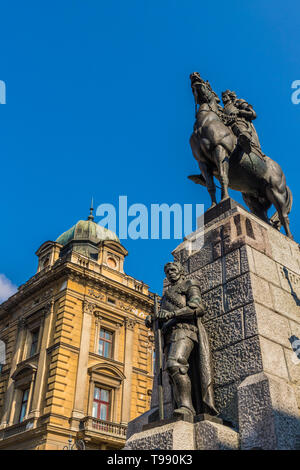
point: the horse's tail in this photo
(274, 220)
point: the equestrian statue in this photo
(226, 146)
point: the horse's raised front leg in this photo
(220, 155)
(210, 184)
(207, 173)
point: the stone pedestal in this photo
(250, 281)
(268, 414)
(182, 435)
(213, 436)
(173, 436)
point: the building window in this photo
(46, 262)
(34, 342)
(24, 405)
(2, 355)
(101, 403)
(105, 343)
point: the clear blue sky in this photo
(99, 103)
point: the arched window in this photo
(105, 389)
(23, 378)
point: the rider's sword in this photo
(158, 341)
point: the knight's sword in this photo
(158, 341)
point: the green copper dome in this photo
(87, 230)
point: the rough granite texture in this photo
(212, 436)
(160, 440)
(250, 281)
(268, 413)
(178, 435)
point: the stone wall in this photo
(250, 280)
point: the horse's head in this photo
(196, 79)
(202, 90)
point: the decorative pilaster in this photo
(117, 341)
(46, 325)
(130, 324)
(88, 307)
(98, 319)
(78, 410)
(21, 324)
(16, 358)
(128, 354)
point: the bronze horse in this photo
(215, 147)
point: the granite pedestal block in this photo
(182, 435)
(178, 435)
(250, 281)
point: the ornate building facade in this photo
(78, 357)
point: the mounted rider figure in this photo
(226, 146)
(242, 114)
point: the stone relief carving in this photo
(96, 295)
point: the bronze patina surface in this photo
(226, 146)
(186, 345)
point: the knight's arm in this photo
(246, 111)
(194, 303)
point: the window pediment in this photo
(24, 371)
(117, 247)
(106, 373)
(107, 369)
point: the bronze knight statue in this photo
(242, 114)
(186, 345)
(226, 146)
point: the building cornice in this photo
(83, 275)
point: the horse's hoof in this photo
(224, 198)
(212, 205)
